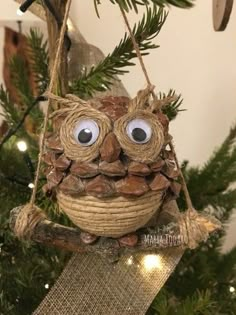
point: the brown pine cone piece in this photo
(84, 170)
(132, 185)
(112, 169)
(100, 186)
(71, 185)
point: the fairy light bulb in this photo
(231, 289)
(22, 146)
(70, 26)
(151, 262)
(24, 7)
(31, 185)
(19, 12)
(130, 261)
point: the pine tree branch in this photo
(20, 79)
(172, 108)
(14, 179)
(128, 5)
(38, 50)
(10, 113)
(200, 302)
(226, 268)
(99, 77)
(211, 184)
(13, 130)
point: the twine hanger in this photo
(50, 89)
(144, 70)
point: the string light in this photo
(22, 146)
(24, 7)
(231, 289)
(46, 286)
(70, 26)
(19, 12)
(31, 185)
(130, 260)
(151, 262)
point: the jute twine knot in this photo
(142, 97)
(195, 227)
(69, 101)
(27, 220)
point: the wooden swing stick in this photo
(68, 238)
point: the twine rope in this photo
(136, 47)
(140, 58)
(50, 89)
(184, 185)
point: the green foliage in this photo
(99, 78)
(25, 268)
(172, 108)
(200, 303)
(38, 49)
(13, 113)
(133, 4)
(210, 185)
(10, 113)
(20, 78)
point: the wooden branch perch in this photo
(67, 238)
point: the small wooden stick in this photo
(68, 238)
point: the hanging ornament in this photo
(110, 166)
(113, 168)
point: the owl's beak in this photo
(110, 149)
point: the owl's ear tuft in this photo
(147, 100)
(142, 100)
(158, 104)
(66, 104)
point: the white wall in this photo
(193, 59)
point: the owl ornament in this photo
(110, 165)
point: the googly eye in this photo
(139, 131)
(86, 132)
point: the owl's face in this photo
(109, 151)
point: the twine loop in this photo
(27, 220)
(30, 216)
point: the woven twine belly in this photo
(110, 217)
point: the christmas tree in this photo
(204, 280)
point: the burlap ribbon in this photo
(90, 284)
